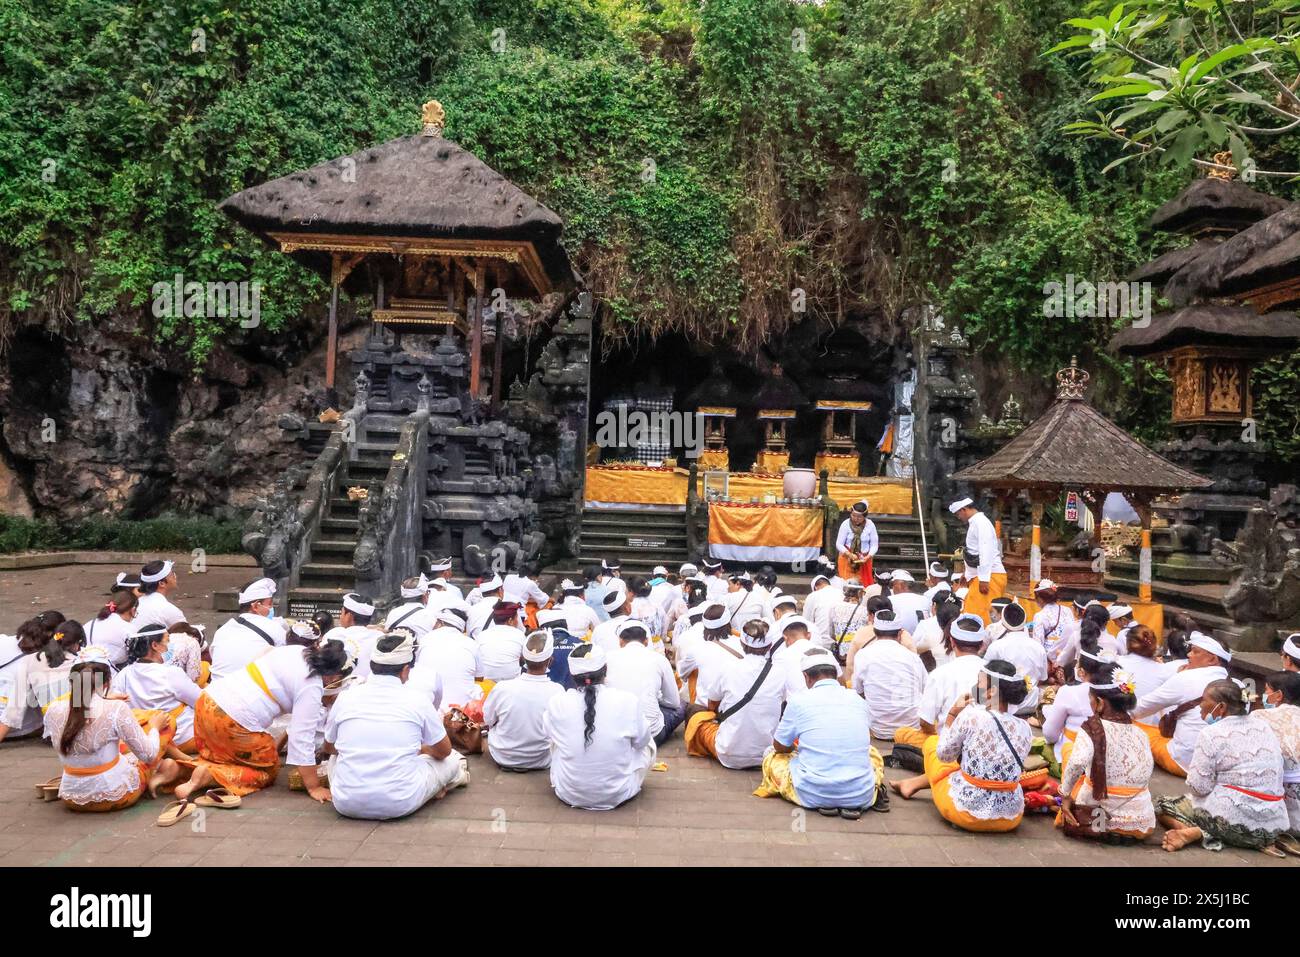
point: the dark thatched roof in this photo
(1208, 276)
(779, 392)
(1207, 324)
(1218, 204)
(417, 186)
(1073, 446)
(1160, 269)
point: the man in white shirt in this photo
(949, 682)
(513, 712)
(480, 613)
(1121, 619)
(705, 648)
(889, 677)
(449, 655)
(908, 606)
(501, 643)
(984, 572)
(822, 597)
(414, 613)
(662, 591)
(248, 635)
(937, 580)
(581, 618)
(521, 587)
(440, 570)
(1207, 661)
(635, 668)
(393, 755)
(744, 704)
(796, 632)
(744, 605)
(1026, 653)
(356, 628)
(617, 603)
(157, 581)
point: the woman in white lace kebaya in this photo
(1281, 712)
(974, 765)
(87, 729)
(1104, 782)
(1235, 780)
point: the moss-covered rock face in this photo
(711, 161)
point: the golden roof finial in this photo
(434, 117)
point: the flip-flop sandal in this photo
(49, 790)
(1289, 844)
(850, 813)
(1273, 851)
(220, 798)
(175, 812)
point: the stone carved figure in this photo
(1265, 591)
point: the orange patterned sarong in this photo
(242, 761)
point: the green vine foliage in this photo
(706, 157)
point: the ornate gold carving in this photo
(434, 117)
(1189, 388)
(1225, 388)
(1072, 383)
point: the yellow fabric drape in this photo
(764, 525)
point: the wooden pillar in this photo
(476, 332)
(331, 348)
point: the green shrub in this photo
(168, 534)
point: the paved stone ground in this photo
(695, 813)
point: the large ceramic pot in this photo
(800, 483)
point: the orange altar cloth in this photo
(764, 532)
(643, 485)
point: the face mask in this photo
(167, 656)
(1270, 704)
(1213, 718)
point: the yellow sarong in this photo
(1160, 749)
(979, 604)
(777, 781)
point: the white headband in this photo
(421, 588)
(159, 576)
(817, 658)
(1018, 676)
(958, 505)
(354, 604)
(968, 637)
(1206, 643)
(93, 654)
(588, 663)
(718, 622)
(887, 626)
(1102, 658)
(1290, 647)
(492, 584)
(614, 598)
(627, 623)
(449, 616)
(440, 566)
(403, 654)
(938, 571)
(548, 647)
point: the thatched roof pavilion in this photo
(1074, 448)
(1210, 325)
(420, 222)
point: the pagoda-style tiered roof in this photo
(1214, 204)
(1208, 324)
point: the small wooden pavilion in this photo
(1074, 448)
(433, 233)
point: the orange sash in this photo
(88, 772)
(1256, 794)
(1112, 790)
(988, 785)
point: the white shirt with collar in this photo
(499, 649)
(601, 774)
(480, 615)
(293, 691)
(636, 669)
(790, 657)
(817, 609)
(1186, 685)
(745, 736)
(414, 615)
(153, 685)
(113, 634)
(891, 680)
(605, 634)
(378, 727)
(521, 589)
(513, 715)
(945, 685)
(155, 609)
(582, 620)
(982, 540)
(235, 644)
(909, 608)
(453, 657)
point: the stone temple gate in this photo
(429, 460)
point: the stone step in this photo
(324, 546)
(340, 524)
(327, 570)
(340, 506)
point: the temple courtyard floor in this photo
(695, 813)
